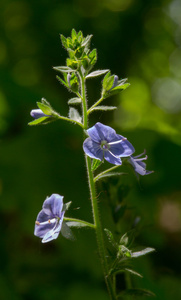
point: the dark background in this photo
(137, 39)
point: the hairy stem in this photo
(95, 104)
(95, 210)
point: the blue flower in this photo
(104, 142)
(138, 164)
(49, 220)
(37, 113)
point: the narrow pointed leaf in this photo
(136, 293)
(63, 69)
(62, 81)
(122, 81)
(143, 252)
(93, 57)
(109, 174)
(133, 272)
(76, 224)
(97, 73)
(45, 108)
(120, 87)
(74, 101)
(63, 40)
(111, 238)
(102, 107)
(38, 121)
(67, 205)
(86, 41)
(95, 164)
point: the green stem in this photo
(84, 103)
(98, 228)
(70, 120)
(95, 104)
(104, 172)
(97, 222)
(80, 221)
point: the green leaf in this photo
(73, 34)
(38, 121)
(74, 83)
(97, 73)
(136, 293)
(75, 100)
(64, 41)
(103, 107)
(133, 272)
(120, 87)
(142, 252)
(63, 69)
(80, 36)
(122, 269)
(93, 57)
(74, 115)
(105, 80)
(44, 101)
(122, 81)
(62, 81)
(108, 174)
(111, 238)
(45, 108)
(67, 232)
(76, 224)
(86, 41)
(95, 164)
(109, 83)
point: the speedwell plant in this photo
(101, 143)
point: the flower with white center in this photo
(104, 142)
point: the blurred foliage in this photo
(136, 39)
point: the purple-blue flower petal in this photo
(37, 113)
(53, 205)
(41, 230)
(122, 149)
(138, 165)
(93, 149)
(54, 232)
(112, 159)
(100, 132)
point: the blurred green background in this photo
(137, 39)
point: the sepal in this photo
(67, 232)
(95, 164)
(67, 205)
(43, 120)
(111, 85)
